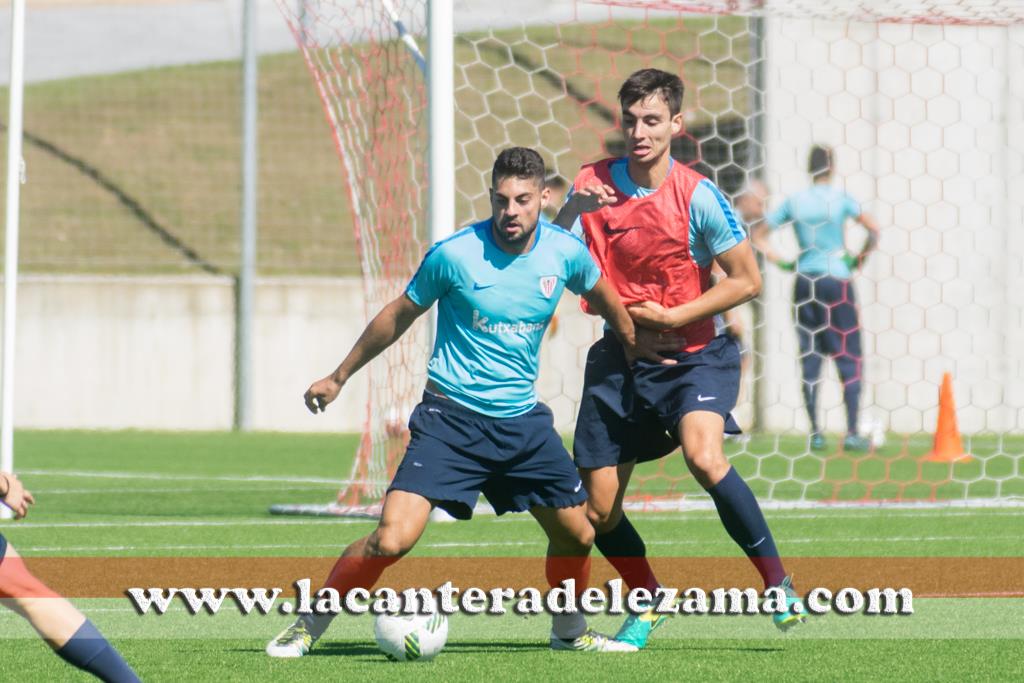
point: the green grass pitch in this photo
(173, 495)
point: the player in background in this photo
(826, 310)
(557, 188)
(655, 227)
(750, 206)
(64, 628)
(479, 428)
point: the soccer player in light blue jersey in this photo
(479, 428)
(826, 310)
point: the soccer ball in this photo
(411, 637)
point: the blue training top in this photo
(493, 308)
(818, 215)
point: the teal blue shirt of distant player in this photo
(713, 225)
(818, 215)
(492, 310)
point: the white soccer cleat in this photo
(294, 641)
(591, 641)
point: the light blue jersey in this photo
(493, 308)
(819, 215)
(714, 228)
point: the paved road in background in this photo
(93, 37)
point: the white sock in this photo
(568, 626)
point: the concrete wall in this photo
(157, 352)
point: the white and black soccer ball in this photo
(411, 637)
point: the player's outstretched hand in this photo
(14, 495)
(651, 314)
(320, 393)
(593, 197)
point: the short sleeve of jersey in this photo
(713, 225)
(433, 278)
(780, 216)
(582, 273)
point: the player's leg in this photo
(403, 519)
(606, 445)
(844, 323)
(434, 471)
(73, 637)
(570, 537)
(701, 435)
(811, 321)
(608, 441)
(616, 537)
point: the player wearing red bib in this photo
(655, 227)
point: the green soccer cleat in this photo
(638, 628)
(591, 641)
(294, 641)
(817, 441)
(796, 612)
(855, 442)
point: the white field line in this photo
(327, 521)
(158, 476)
(259, 521)
(826, 513)
(191, 489)
(539, 542)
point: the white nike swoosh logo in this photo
(578, 487)
(705, 398)
(754, 545)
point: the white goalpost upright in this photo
(14, 177)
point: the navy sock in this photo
(744, 522)
(849, 370)
(625, 550)
(811, 366)
(89, 651)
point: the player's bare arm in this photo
(603, 299)
(742, 282)
(584, 200)
(871, 225)
(14, 495)
(759, 239)
(383, 331)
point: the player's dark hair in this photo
(521, 162)
(819, 162)
(646, 82)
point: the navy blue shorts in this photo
(455, 454)
(3, 548)
(632, 414)
(826, 316)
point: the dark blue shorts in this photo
(826, 316)
(455, 454)
(3, 548)
(632, 414)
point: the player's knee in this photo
(708, 465)
(603, 518)
(390, 542)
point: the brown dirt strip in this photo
(92, 577)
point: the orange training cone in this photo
(947, 447)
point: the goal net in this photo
(924, 111)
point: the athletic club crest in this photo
(547, 285)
